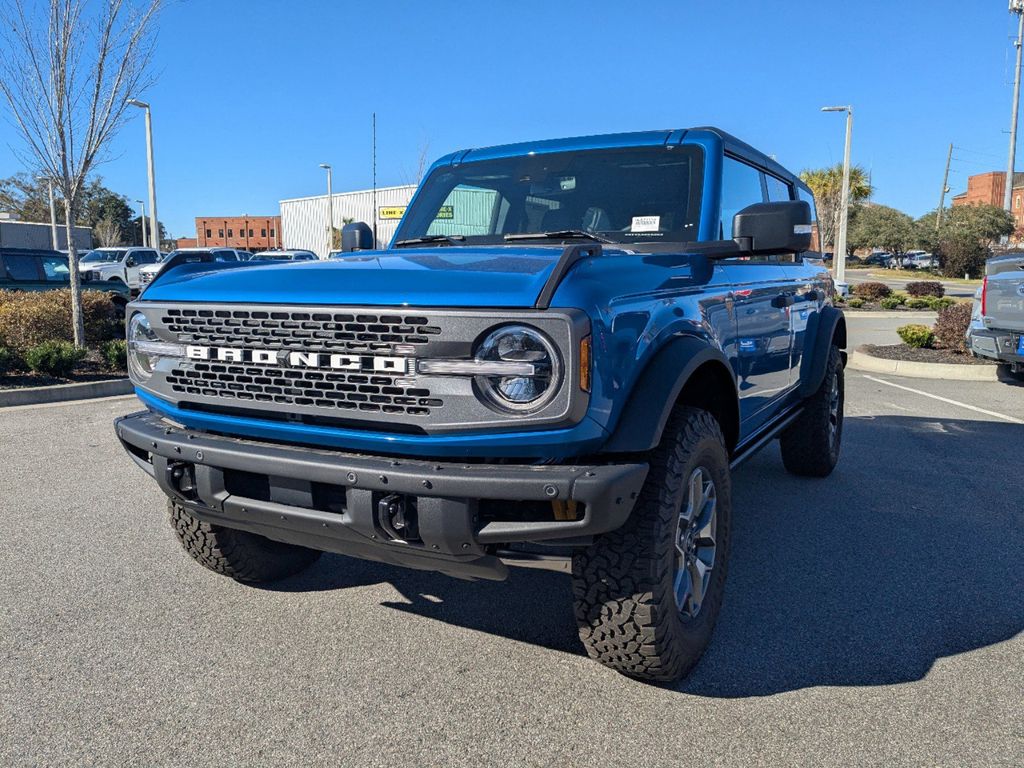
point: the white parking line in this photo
(974, 408)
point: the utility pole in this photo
(375, 177)
(945, 189)
(53, 217)
(154, 225)
(839, 258)
(1017, 7)
(330, 211)
(142, 220)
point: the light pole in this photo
(844, 201)
(53, 213)
(145, 243)
(154, 227)
(330, 211)
(1016, 6)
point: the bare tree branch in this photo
(67, 70)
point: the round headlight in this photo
(520, 392)
(140, 364)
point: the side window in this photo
(55, 269)
(808, 198)
(778, 190)
(145, 257)
(21, 267)
(224, 256)
(741, 186)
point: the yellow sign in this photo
(394, 212)
(446, 212)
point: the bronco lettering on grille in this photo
(342, 362)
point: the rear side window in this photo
(55, 269)
(224, 256)
(145, 257)
(741, 186)
(21, 267)
(778, 190)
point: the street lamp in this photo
(53, 212)
(154, 227)
(330, 211)
(844, 204)
(145, 244)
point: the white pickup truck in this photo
(997, 324)
(118, 264)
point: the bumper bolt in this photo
(427, 484)
(199, 455)
(351, 477)
(550, 490)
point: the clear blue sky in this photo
(253, 94)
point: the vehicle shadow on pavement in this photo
(911, 551)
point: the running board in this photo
(765, 436)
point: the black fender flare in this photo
(823, 327)
(657, 389)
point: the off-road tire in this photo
(810, 448)
(241, 555)
(623, 592)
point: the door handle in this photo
(783, 300)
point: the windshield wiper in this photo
(450, 239)
(560, 233)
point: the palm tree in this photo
(827, 185)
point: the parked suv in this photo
(27, 269)
(118, 264)
(559, 359)
(149, 271)
(997, 322)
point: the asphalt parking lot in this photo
(873, 618)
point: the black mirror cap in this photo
(771, 228)
(356, 237)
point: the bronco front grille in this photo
(306, 331)
(293, 386)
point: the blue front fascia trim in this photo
(585, 437)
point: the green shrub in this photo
(55, 358)
(917, 303)
(891, 302)
(951, 327)
(926, 288)
(871, 291)
(855, 303)
(839, 298)
(937, 303)
(6, 360)
(115, 354)
(29, 319)
(917, 336)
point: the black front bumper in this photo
(333, 501)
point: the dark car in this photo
(25, 269)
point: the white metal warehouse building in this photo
(304, 219)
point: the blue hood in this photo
(420, 277)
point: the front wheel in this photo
(810, 445)
(648, 594)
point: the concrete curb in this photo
(916, 314)
(862, 361)
(63, 392)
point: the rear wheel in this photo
(241, 555)
(648, 594)
(810, 446)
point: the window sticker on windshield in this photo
(645, 224)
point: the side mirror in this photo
(356, 237)
(770, 228)
(130, 261)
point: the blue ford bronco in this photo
(557, 362)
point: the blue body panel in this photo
(636, 303)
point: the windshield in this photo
(630, 195)
(110, 257)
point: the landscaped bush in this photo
(937, 303)
(6, 360)
(926, 288)
(917, 303)
(29, 319)
(918, 336)
(892, 302)
(839, 298)
(55, 358)
(115, 354)
(872, 291)
(855, 303)
(951, 327)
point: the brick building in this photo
(989, 188)
(248, 233)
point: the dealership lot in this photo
(871, 618)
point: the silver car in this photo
(997, 320)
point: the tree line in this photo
(110, 215)
(961, 238)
